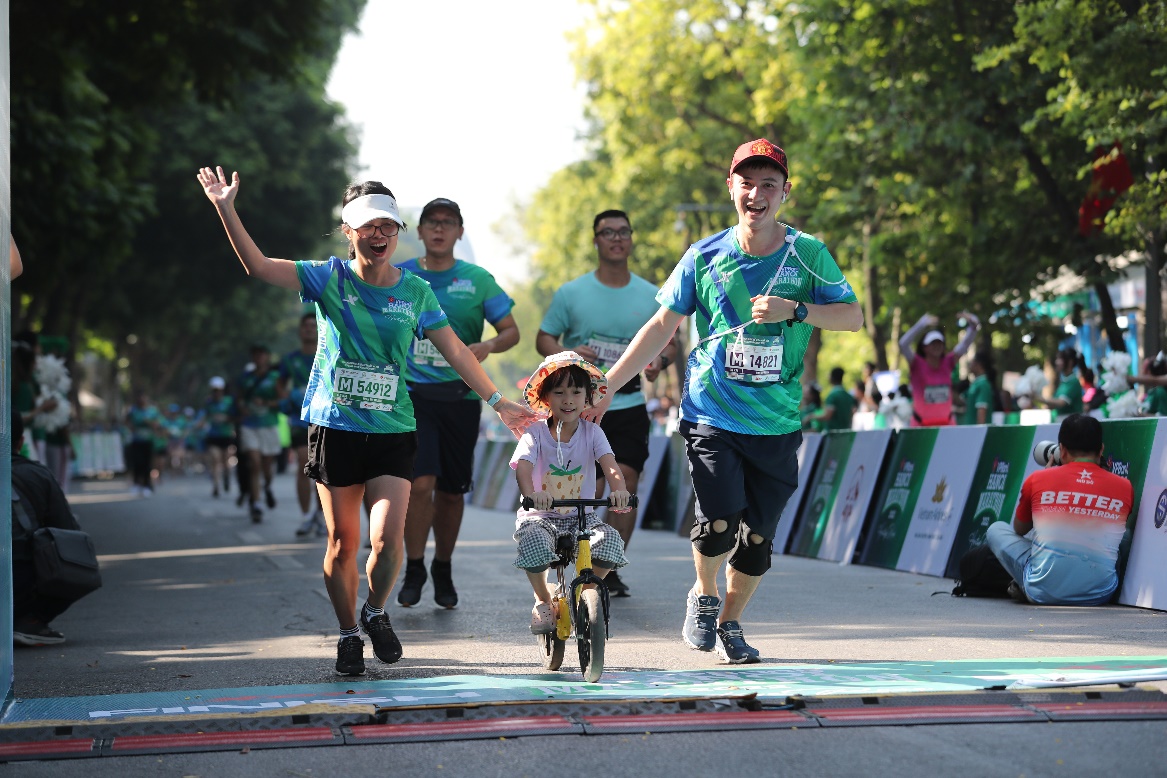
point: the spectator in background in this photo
(869, 396)
(37, 495)
(1089, 390)
(1062, 547)
(1067, 398)
(931, 366)
(219, 416)
(838, 407)
(1154, 377)
(979, 405)
(812, 403)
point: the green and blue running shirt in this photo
(470, 297)
(715, 281)
(365, 335)
(295, 370)
(256, 395)
(220, 417)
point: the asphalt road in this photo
(198, 597)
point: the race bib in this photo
(754, 359)
(608, 349)
(426, 353)
(937, 394)
(364, 385)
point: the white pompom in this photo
(1123, 406)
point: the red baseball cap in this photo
(760, 148)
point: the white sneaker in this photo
(306, 526)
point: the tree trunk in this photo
(1153, 327)
(873, 300)
(1109, 318)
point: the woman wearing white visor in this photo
(362, 439)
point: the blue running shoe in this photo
(732, 645)
(700, 628)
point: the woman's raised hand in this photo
(215, 185)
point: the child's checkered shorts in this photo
(536, 538)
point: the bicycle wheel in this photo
(590, 634)
(551, 650)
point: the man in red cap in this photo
(757, 290)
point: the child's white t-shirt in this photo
(567, 470)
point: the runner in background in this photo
(931, 366)
(219, 417)
(259, 440)
(295, 370)
(978, 401)
(838, 406)
(596, 315)
(447, 412)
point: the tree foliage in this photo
(126, 101)
(940, 149)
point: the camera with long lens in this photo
(1047, 452)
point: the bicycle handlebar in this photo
(528, 504)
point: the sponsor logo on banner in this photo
(897, 499)
(852, 494)
(1161, 509)
(1117, 466)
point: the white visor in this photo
(364, 209)
(934, 335)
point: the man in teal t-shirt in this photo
(295, 372)
(258, 401)
(978, 400)
(447, 412)
(757, 291)
(838, 405)
(596, 316)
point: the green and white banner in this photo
(853, 498)
(840, 493)
(1145, 584)
(996, 486)
(910, 454)
(807, 455)
(939, 501)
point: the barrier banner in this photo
(940, 500)
(821, 492)
(897, 500)
(996, 487)
(857, 486)
(1145, 584)
(807, 454)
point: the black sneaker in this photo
(410, 593)
(732, 645)
(271, 498)
(350, 656)
(36, 635)
(385, 643)
(1017, 593)
(616, 587)
(444, 592)
(256, 514)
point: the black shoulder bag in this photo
(64, 559)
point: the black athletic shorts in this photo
(343, 458)
(299, 436)
(627, 432)
(220, 441)
(447, 429)
(733, 472)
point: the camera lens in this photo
(1046, 453)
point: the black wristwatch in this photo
(800, 314)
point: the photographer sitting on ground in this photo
(1063, 546)
(40, 495)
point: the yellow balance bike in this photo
(585, 612)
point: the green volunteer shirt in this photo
(980, 395)
(1070, 389)
(844, 404)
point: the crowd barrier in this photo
(98, 453)
(912, 499)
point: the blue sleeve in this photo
(497, 308)
(557, 319)
(313, 278)
(825, 292)
(679, 294)
(432, 317)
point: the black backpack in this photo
(982, 575)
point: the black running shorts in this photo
(446, 434)
(343, 458)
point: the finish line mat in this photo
(766, 681)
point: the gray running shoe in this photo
(732, 645)
(700, 628)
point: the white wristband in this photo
(493, 400)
